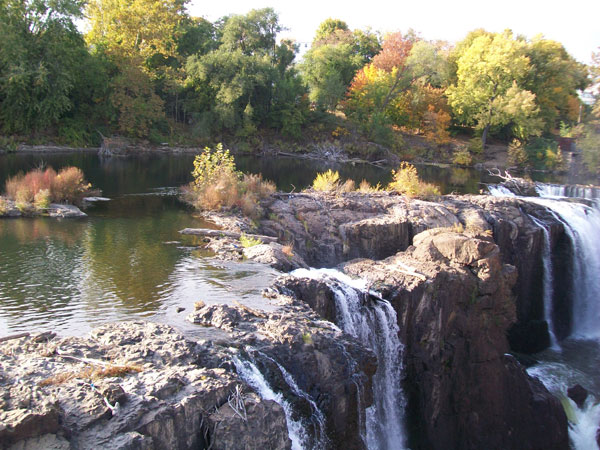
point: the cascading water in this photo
(252, 375)
(548, 282)
(318, 417)
(582, 224)
(375, 325)
(557, 191)
(577, 361)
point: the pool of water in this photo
(127, 259)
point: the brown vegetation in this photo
(45, 186)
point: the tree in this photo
(554, 77)
(333, 59)
(488, 91)
(248, 80)
(399, 88)
(328, 27)
(40, 61)
(141, 38)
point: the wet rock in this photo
(578, 394)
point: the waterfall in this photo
(583, 422)
(548, 282)
(375, 325)
(497, 190)
(248, 371)
(557, 190)
(582, 224)
(317, 416)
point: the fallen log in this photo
(221, 233)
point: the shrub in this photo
(327, 181)
(517, 156)
(406, 181)
(42, 199)
(249, 241)
(462, 157)
(218, 184)
(211, 165)
(366, 187)
(3, 206)
(68, 185)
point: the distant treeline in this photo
(147, 69)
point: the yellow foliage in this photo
(406, 181)
(327, 181)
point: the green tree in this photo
(554, 77)
(248, 80)
(488, 91)
(328, 27)
(141, 39)
(333, 59)
(40, 61)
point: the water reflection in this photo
(127, 259)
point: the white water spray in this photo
(251, 375)
(375, 325)
(548, 282)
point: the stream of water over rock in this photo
(372, 320)
(575, 359)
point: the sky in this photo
(574, 23)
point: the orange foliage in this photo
(394, 51)
(68, 185)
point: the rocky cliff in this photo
(462, 274)
(327, 229)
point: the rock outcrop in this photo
(141, 385)
(8, 208)
(453, 297)
(328, 229)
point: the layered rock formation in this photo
(328, 229)
(140, 385)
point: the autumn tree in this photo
(401, 86)
(488, 91)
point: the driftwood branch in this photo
(230, 234)
(498, 173)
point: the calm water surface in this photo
(127, 259)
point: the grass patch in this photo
(92, 373)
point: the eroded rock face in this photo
(327, 364)
(453, 296)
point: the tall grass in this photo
(45, 186)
